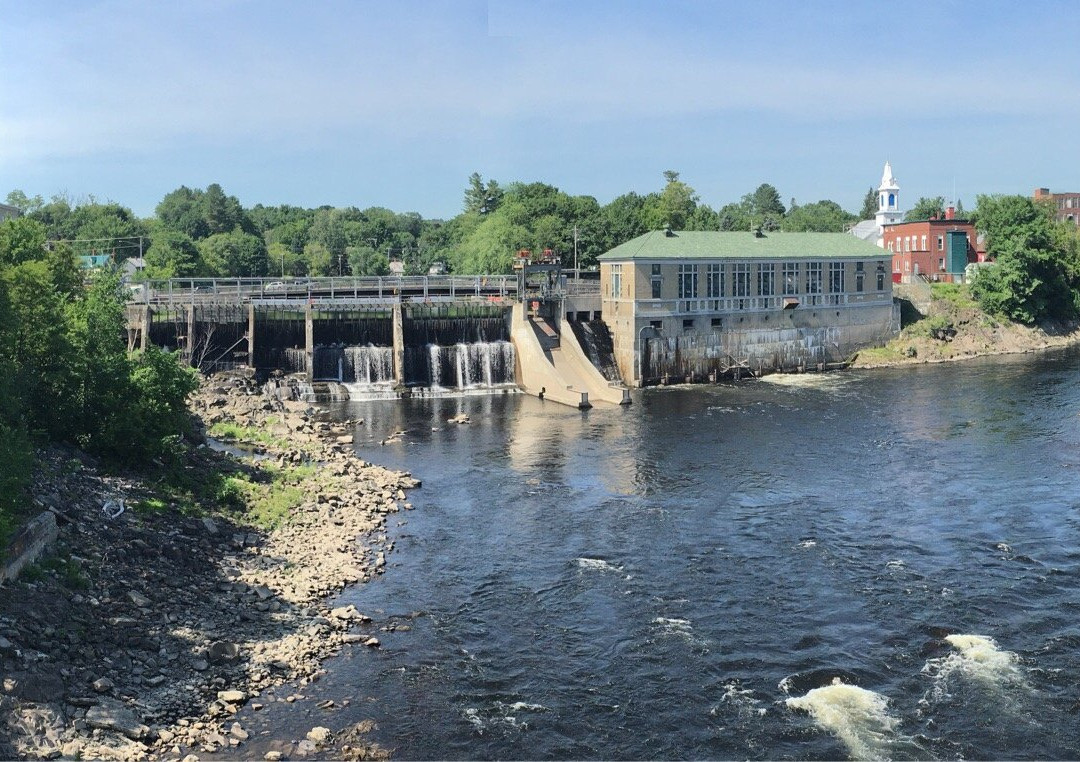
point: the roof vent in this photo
(668, 231)
(758, 232)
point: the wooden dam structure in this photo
(397, 334)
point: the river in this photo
(846, 565)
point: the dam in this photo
(391, 336)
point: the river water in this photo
(847, 565)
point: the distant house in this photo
(934, 249)
(8, 212)
(132, 266)
(1066, 205)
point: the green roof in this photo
(707, 244)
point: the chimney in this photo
(950, 213)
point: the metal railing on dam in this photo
(384, 289)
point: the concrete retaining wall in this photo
(28, 544)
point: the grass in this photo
(233, 432)
(266, 505)
(956, 294)
(888, 353)
(69, 572)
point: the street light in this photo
(640, 359)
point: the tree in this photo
(22, 239)
(182, 210)
(736, 215)
(364, 260)
(328, 229)
(24, 203)
(173, 254)
(1029, 280)
(765, 206)
(480, 198)
(673, 206)
(869, 205)
(821, 217)
(235, 254)
(925, 209)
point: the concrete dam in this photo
(389, 337)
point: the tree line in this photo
(206, 232)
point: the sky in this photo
(395, 103)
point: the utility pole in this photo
(577, 272)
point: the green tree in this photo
(821, 217)
(481, 198)
(925, 209)
(364, 260)
(24, 203)
(182, 210)
(1029, 280)
(736, 215)
(869, 205)
(765, 207)
(21, 240)
(235, 254)
(174, 255)
(328, 229)
(319, 261)
(673, 206)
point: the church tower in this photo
(888, 200)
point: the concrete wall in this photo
(760, 341)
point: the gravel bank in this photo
(146, 631)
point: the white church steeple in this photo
(888, 200)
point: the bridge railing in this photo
(183, 291)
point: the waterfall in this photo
(461, 366)
(295, 360)
(369, 365)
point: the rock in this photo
(372, 642)
(199, 665)
(273, 756)
(112, 715)
(319, 735)
(72, 749)
(139, 599)
(209, 524)
(232, 697)
(102, 685)
(166, 736)
(459, 418)
(222, 652)
(238, 732)
(344, 439)
(345, 613)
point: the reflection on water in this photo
(840, 566)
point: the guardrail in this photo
(183, 291)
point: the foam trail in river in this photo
(977, 658)
(856, 716)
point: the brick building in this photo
(938, 249)
(1066, 205)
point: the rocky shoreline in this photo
(145, 631)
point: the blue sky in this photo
(395, 103)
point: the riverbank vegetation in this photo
(66, 374)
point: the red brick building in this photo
(1066, 205)
(938, 249)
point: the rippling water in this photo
(850, 565)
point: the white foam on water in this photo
(976, 658)
(597, 564)
(742, 699)
(823, 381)
(856, 716)
(808, 544)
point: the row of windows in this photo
(911, 243)
(763, 282)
